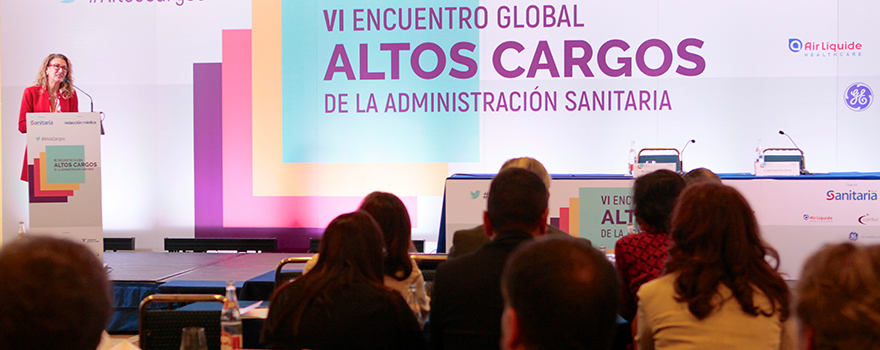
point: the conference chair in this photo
(284, 276)
(428, 264)
(160, 329)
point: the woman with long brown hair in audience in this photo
(342, 303)
(720, 291)
(400, 271)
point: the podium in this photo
(656, 159)
(64, 177)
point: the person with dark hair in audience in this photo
(466, 305)
(640, 257)
(559, 293)
(342, 303)
(469, 240)
(700, 175)
(400, 271)
(839, 298)
(720, 291)
(55, 295)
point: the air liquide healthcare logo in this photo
(825, 48)
(813, 218)
(870, 195)
(858, 97)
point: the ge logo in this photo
(853, 236)
(795, 45)
(858, 97)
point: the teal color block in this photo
(64, 164)
(604, 214)
(383, 134)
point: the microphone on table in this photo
(91, 103)
(803, 160)
(681, 155)
(789, 138)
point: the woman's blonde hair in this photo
(43, 79)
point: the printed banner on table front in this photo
(64, 169)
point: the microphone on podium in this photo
(91, 103)
(803, 159)
(789, 138)
(681, 155)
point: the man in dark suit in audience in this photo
(469, 240)
(559, 293)
(55, 295)
(466, 305)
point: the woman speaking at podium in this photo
(52, 93)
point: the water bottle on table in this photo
(230, 321)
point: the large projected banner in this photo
(571, 84)
(271, 122)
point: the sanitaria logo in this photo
(851, 195)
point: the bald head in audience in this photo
(839, 298)
(559, 293)
(699, 175)
(55, 295)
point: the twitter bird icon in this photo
(475, 194)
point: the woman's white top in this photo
(403, 287)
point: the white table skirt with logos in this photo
(797, 215)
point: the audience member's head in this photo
(350, 251)
(530, 164)
(839, 298)
(391, 215)
(55, 295)
(517, 201)
(559, 293)
(700, 175)
(715, 240)
(654, 197)
(353, 242)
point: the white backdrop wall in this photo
(136, 57)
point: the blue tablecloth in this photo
(127, 298)
(260, 287)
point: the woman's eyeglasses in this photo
(58, 66)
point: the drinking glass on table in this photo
(193, 338)
(413, 300)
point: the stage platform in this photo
(136, 275)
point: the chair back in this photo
(428, 264)
(284, 276)
(160, 329)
